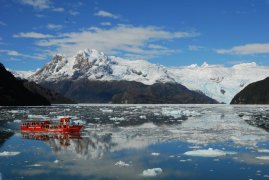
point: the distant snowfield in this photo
(216, 81)
(219, 82)
(23, 74)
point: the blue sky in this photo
(169, 32)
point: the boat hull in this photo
(57, 129)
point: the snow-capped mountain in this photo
(95, 65)
(218, 82)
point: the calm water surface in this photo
(138, 142)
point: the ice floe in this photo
(79, 122)
(263, 157)
(104, 110)
(143, 117)
(210, 152)
(149, 125)
(117, 118)
(7, 153)
(34, 116)
(17, 121)
(36, 165)
(152, 172)
(155, 154)
(122, 164)
(263, 150)
(178, 113)
(18, 111)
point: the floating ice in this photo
(6, 153)
(263, 150)
(106, 110)
(178, 113)
(194, 147)
(210, 152)
(155, 154)
(17, 121)
(79, 122)
(121, 164)
(18, 111)
(37, 116)
(148, 125)
(116, 119)
(152, 172)
(36, 165)
(142, 117)
(263, 157)
(56, 161)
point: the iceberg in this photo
(152, 172)
(210, 152)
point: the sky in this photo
(168, 32)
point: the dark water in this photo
(136, 142)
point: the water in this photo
(139, 141)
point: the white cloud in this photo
(13, 53)
(2, 23)
(195, 47)
(60, 9)
(73, 13)
(102, 13)
(37, 4)
(155, 46)
(235, 62)
(105, 23)
(34, 35)
(128, 40)
(41, 5)
(10, 52)
(247, 49)
(54, 26)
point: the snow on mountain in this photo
(22, 74)
(95, 65)
(218, 82)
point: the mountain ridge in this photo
(127, 92)
(216, 81)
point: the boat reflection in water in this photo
(90, 146)
(63, 139)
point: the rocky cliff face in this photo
(51, 96)
(255, 93)
(131, 92)
(13, 92)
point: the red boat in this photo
(46, 126)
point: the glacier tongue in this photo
(218, 82)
